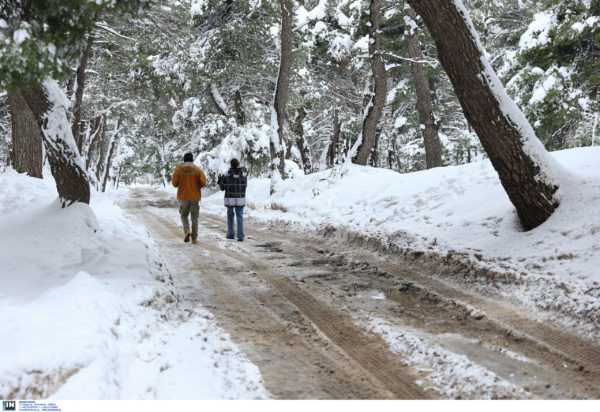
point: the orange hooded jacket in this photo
(188, 179)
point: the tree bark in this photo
(81, 78)
(300, 142)
(102, 149)
(113, 145)
(526, 171)
(70, 86)
(240, 115)
(433, 149)
(347, 143)
(118, 178)
(97, 125)
(374, 158)
(375, 106)
(26, 137)
(335, 138)
(393, 157)
(281, 92)
(61, 150)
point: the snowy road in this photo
(326, 319)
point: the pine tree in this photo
(278, 115)
(526, 171)
(37, 39)
(377, 98)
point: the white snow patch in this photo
(538, 32)
(400, 121)
(589, 22)
(197, 7)
(539, 94)
(362, 44)
(447, 373)
(88, 311)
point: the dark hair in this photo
(188, 157)
(235, 163)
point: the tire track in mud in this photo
(574, 348)
(567, 345)
(274, 344)
(390, 276)
(505, 317)
(368, 353)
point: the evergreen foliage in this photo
(199, 76)
(38, 37)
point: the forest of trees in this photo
(120, 90)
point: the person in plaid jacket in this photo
(234, 184)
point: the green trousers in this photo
(187, 207)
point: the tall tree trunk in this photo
(347, 143)
(96, 127)
(70, 87)
(335, 137)
(26, 137)
(393, 157)
(102, 149)
(48, 103)
(81, 77)
(118, 178)
(374, 158)
(529, 175)
(300, 142)
(281, 93)
(113, 144)
(240, 115)
(374, 108)
(305, 155)
(433, 149)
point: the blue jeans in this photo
(239, 213)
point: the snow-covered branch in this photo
(432, 63)
(104, 26)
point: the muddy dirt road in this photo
(323, 319)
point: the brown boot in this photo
(194, 241)
(187, 236)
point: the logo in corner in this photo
(9, 405)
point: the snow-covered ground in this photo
(463, 210)
(87, 309)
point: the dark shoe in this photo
(240, 240)
(230, 237)
(187, 236)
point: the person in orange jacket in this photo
(189, 179)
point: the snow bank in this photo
(88, 310)
(464, 210)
